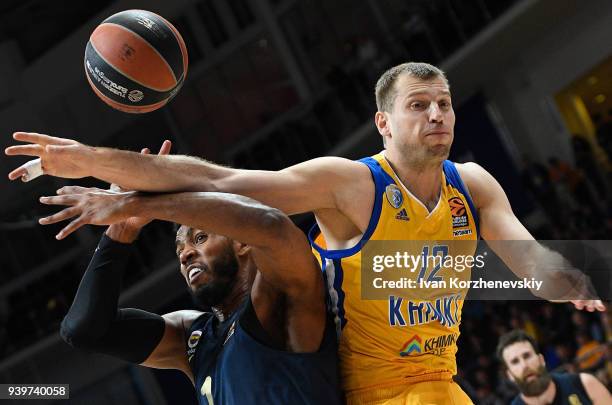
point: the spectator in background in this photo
(587, 163)
(537, 180)
(604, 133)
(525, 366)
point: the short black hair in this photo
(512, 337)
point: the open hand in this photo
(59, 157)
(89, 205)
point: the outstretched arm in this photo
(277, 243)
(513, 243)
(317, 184)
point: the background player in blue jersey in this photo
(268, 338)
(525, 366)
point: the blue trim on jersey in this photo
(381, 180)
(339, 277)
(453, 177)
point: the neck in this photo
(545, 398)
(224, 310)
(240, 291)
(422, 180)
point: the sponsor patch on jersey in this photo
(194, 338)
(412, 345)
(458, 212)
(192, 342)
(394, 195)
(436, 345)
(461, 232)
(402, 215)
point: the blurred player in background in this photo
(525, 366)
(269, 331)
(408, 191)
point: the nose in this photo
(187, 255)
(435, 114)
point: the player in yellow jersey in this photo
(409, 191)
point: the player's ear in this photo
(382, 123)
(241, 249)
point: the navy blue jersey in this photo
(570, 391)
(230, 366)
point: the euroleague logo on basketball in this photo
(135, 96)
(458, 212)
(105, 81)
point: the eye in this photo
(445, 104)
(417, 105)
(201, 237)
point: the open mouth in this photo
(194, 273)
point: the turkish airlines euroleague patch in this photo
(458, 212)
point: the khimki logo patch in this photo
(412, 346)
(458, 212)
(402, 215)
(435, 345)
(394, 195)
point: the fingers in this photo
(25, 150)
(589, 305)
(165, 148)
(66, 190)
(599, 305)
(41, 139)
(71, 227)
(60, 216)
(145, 151)
(18, 173)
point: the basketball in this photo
(136, 61)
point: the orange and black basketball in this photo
(456, 206)
(136, 61)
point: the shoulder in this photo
(472, 173)
(593, 387)
(482, 186)
(183, 319)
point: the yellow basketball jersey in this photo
(397, 340)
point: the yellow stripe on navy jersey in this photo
(398, 341)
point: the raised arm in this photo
(317, 184)
(513, 243)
